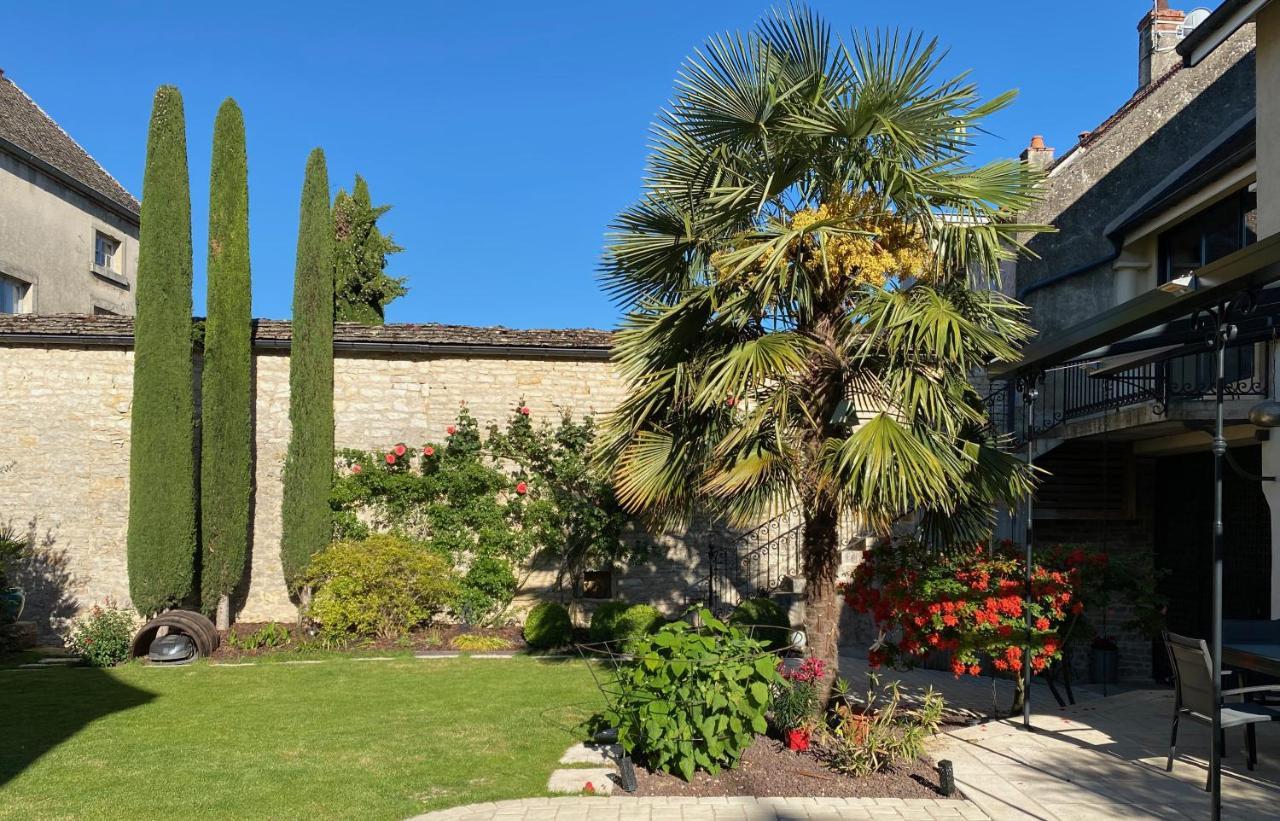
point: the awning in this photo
(1255, 266)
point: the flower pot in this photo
(11, 601)
(1104, 665)
(798, 740)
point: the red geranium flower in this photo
(522, 488)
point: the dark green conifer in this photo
(162, 497)
(362, 288)
(226, 453)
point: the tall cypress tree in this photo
(162, 495)
(362, 288)
(308, 469)
(226, 453)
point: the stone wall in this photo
(64, 457)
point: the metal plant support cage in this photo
(606, 660)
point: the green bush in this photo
(637, 621)
(485, 591)
(476, 641)
(693, 699)
(548, 626)
(102, 636)
(771, 623)
(605, 619)
(381, 586)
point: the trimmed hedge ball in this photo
(548, 626)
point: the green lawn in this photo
(339, 739)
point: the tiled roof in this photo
(268, 332)
(27, 126)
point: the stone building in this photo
(68, 229)
(1186, 174)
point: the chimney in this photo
(1037, 154)
(1159, 31)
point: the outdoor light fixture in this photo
(1265, 414)
(1179, 286)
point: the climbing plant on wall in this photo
(308, 470)
(226, 453)
(162, 517)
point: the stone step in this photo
(599, 755)
(574, 781)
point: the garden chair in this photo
(1193, 696)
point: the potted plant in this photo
(1104, 661)
(12, 598)
(795, 702)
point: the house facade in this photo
(1184, 175)
(68, 229)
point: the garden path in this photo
(624, 808)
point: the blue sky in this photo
(505, 134)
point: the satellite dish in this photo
(1194, 18)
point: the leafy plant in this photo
(795, 700)
(693, 698)
(13, 547)
(103, 635)
(478, 641)
(878, 733)
(766, 618)
(381, 586)
(485, 591)
(547, 626)
(604, 620)
(268, 635)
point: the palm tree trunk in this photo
(821, 599)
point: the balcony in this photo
(1071, 391)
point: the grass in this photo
(341, 739)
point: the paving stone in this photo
(437, 655)
(600, 755)
(574, 781)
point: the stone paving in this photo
(710, 809)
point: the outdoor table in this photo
(1259, 657)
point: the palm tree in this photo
(808, 281)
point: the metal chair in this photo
(1193, 696)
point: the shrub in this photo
(877, 734)
(485, 591)
(102, 636)
(795, 701)
(13, 548)
(381, 586)
(693, 699)
(476, 641)
(604, 620)
(268, 635)
(547, 626)
(771, 623)
(637, 621)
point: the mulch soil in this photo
(435, 638)
(769, 769)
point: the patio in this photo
(1101, 758)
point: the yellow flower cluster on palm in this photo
(898, 248)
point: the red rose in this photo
(356, 468)
(522, 488)
(400, 450)
(524, 411)
(428, 451)
(391, 458)
(451, 430)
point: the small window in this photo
(597, 584)
(15, 296)
(106, 253)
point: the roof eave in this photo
(127, 214)
(1216, 29)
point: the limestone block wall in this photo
(64, 459)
